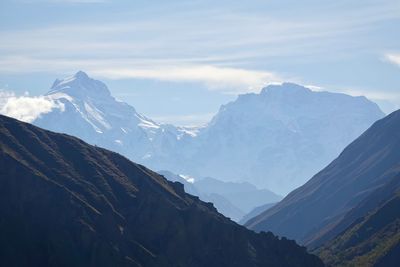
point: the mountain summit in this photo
(93, 114)
(285, 88)
(280, 137)
(80, 85)
(275, 139)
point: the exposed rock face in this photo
(66, 203)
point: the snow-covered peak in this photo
(80, 76)
(81, 86)
(94, 115)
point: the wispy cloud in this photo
(233, 79)
(229, 80)
(231, 49)
(233, 37)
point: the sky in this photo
(179, 61)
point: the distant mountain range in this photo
(275, 139)
(66, 203)
(255, 212)
(349, 210)
(234, 200)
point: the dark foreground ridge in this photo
(372, 239)
(66, 203)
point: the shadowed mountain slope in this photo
(367, 205)
(311, 211)
(66, 203)
(256, 211)
(371, 240)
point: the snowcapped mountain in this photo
(275, 139)
(91, 113)
(280, 137)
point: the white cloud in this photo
(227, 37)
(4, 96)
(26, 108)
(393, 58)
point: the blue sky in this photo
(178, 61)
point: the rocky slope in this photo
(66, 203)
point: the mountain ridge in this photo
(232, 146)
(66, 203)
(365, 165)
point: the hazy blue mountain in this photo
(279, 138)
(276, 139)
(222, 204)
(255, 212)
(233, 200)
(243, 195)
(311, 212)
(64, 202)
(190, 188)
